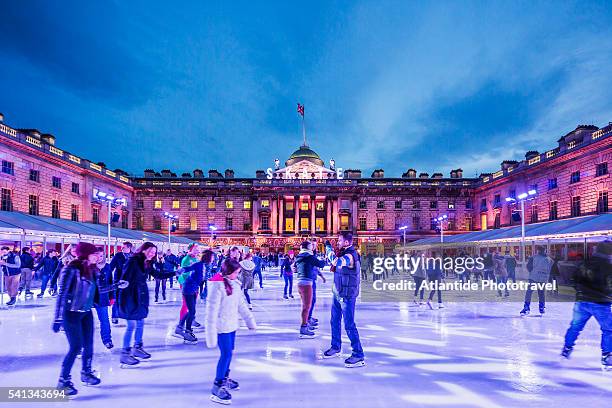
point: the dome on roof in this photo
(304, 153)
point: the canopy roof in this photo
(578, 227)
(16, 223)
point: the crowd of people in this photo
(83, 280)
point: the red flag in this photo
(300, 109)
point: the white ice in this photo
(466, 355)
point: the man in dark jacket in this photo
(305, 264)
(10, 264)
(346, 289)
(116, 269)
(46, 266)
(593, 283)
(27, 269)
(171, 262)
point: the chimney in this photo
(378, 173)
(213, 173)
(506, 164)
(531, 154)
(424, 175)
(260, 174)
(436, 176)
(352, 174)
(48, 138)
(186, 175)
(411, 173)
(149, 173)
(166, 173)
(459, 173)
(198, 173)
(101, 164)
(1, 117)
(229, 173)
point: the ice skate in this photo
(306, 333)
(429, 305)
(189, 338)
(220, 395)
(65, 385)
(353, 362)
(89, 379)
(566, 352)
(179, 332)
(331, 353)
(525, 311)
(109, 345)
(140, 353)
(606, 362)
(127, 360)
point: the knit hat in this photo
(247, 264)
(84, 249)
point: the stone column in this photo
(296, 214)
(328, 218)
(313, 228)
(335, 216)
(354, 214)
(273, 216)
(255, 223)
(281, 215)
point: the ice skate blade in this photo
(359, 364)
(178, 336)
(127, 365)
(335, 355)
(605, 368)
(90, 385)
(303, 336)
(191, 343)
(218, 400)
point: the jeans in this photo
(314, 299)
(225, 342)
(158, 283)
(582, 313)
(105, 328)
(417, 282)
(431, 294)
(11, 285)
(44, 280)
(541, 296)
(135, 327)
(26, 279)
(53, 283)
(246, 295)
(512, 274)
(288, 284)
(190, 302)
(502, 279)
(306, 295)
(344, 308)
(78, 327)
(258, 274)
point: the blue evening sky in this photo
(393, 85)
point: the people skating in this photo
(593, 283)
(305, 264)
(191, 256)
(193, 275)
(501, 272)
(539, 267)
(27, 270)
(419, 275)
(287, 266)
(225, 305)
(117, 265)
(46, 266)
(313, 322)
(171, 263)
(346, 268)
(159, 265)
(68, 255)
(246, 277)
(77, 295)
(258, 261)
(104, 281)
(435, 276)
(487, 272)
(10, 263)
(511, 266)
(134, 302)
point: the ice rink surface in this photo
(466, 355)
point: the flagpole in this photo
(304, 129)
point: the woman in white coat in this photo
(225, 304)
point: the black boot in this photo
(87, 374)
(12, 301)
(64, 384)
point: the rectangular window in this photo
(533, 187)
(380, 223)
(512, 194)
(124, 220)
(76, 188)
(552, 183)
(468, 204)
(304, 206)
(416, 205)
(56, 182)
(157, 204)
(433, 224)
(320, 224)
(345, 204)
(575, 177)
(55, 210)
(575, 206)
(344, 222)
(8, 167)
(601, 169)
(95, 212)
(33, 205)
(320, 206)
(7, 200)
(380, 205)
(247, 225)
(363, 223)
(74, 212)
(497, 221)
(451, 205)
(483, 222)
(193, 204)
(35, 176)
(602, 202)
(416, 222)
(398, 204)
(176, 204)
(289, 224)
(157, 224)
(289, 205)
(304, 224)
(534, 213)
(246, 205)
(229, 204)
(211, 204)
(140, 222)
(483, 204)
(265, 203)
(362, 205)
(552, 211)
(433, 205)
(265, 222)
(497, 199)
(139, 204)
(193, 223)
